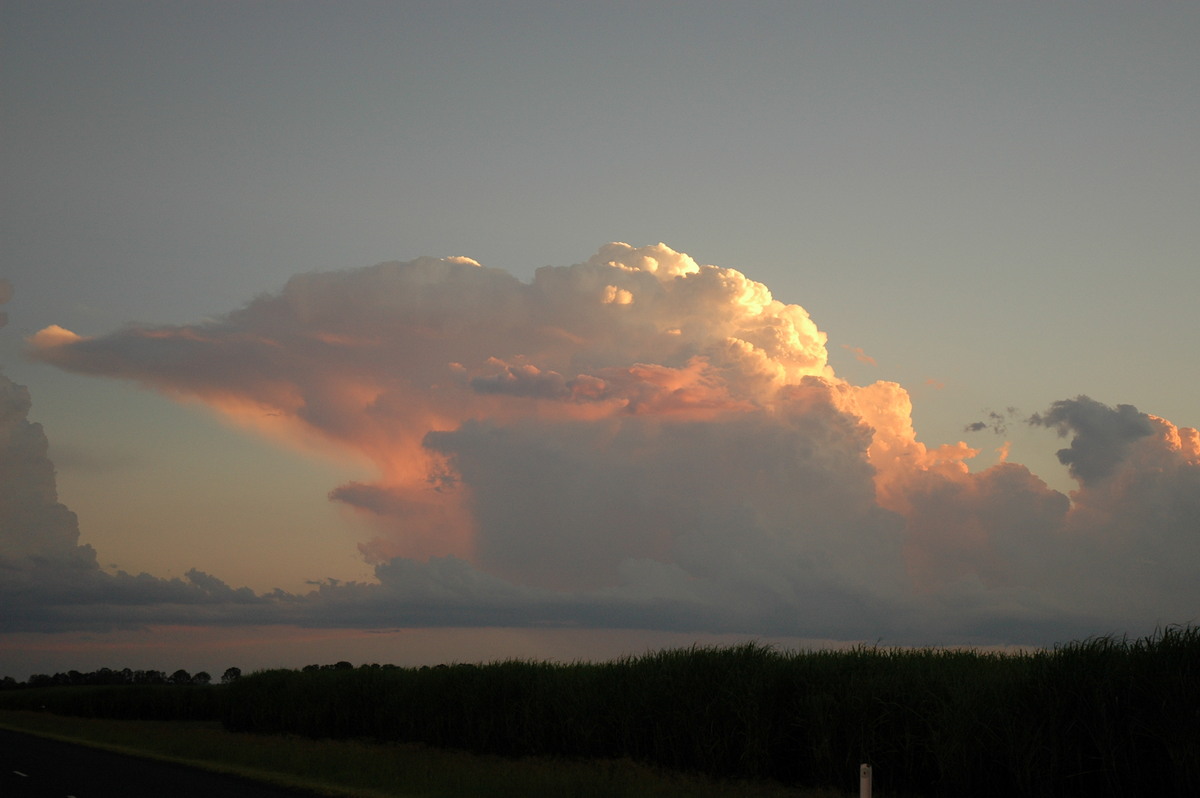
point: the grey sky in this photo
(994, 202)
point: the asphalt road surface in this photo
(34, 766)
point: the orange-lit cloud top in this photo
(664, 434)
(375, 359)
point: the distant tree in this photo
(149, 677)
(202, 677)
(231, 675)
(9, 683)
(181, 677)
(343, 666)
(105, 676)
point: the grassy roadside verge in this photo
(358, 769)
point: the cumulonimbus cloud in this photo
(642, 440)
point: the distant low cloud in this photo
(48, 581)
(642, 441)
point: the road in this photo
(34, 766)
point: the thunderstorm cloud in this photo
(635, 441)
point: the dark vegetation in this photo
(1101, 717)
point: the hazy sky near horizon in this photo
(987, 208)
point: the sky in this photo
(459, 331)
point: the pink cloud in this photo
(647, 437)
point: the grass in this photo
(359, 769)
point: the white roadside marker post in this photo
(864, 781)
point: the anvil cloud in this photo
(636, 441)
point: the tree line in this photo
(110, 676)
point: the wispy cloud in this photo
(860, 355)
